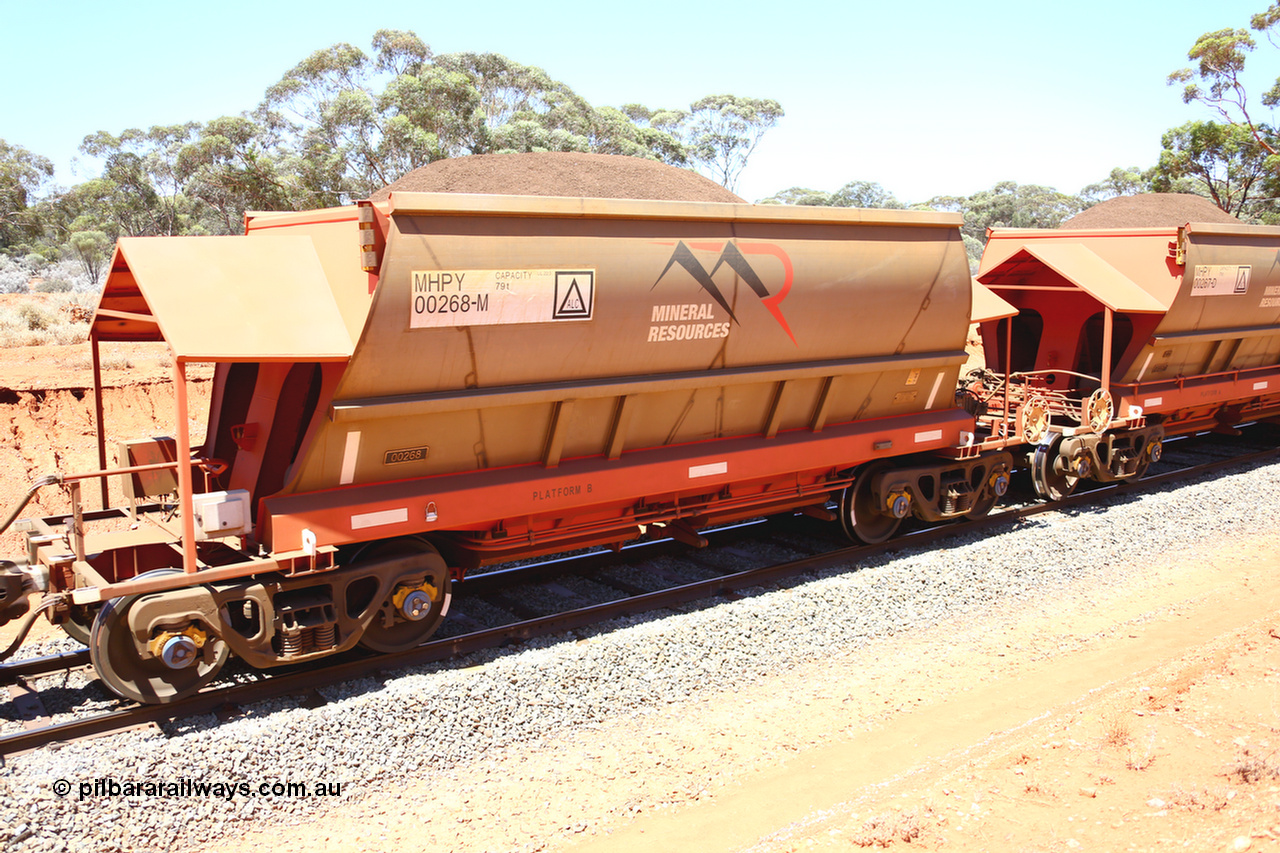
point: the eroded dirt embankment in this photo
(46, 416)
(47, 431)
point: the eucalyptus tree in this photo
(231, 166)
(1225, 162)
(865, 194)
(141, 188)
(342, 123)
(1007, 204)
(326, 106)
(613, 131)
(722, 132)
(800, 197)
(22, 173)
(1118, 182)
(1236, 163)
(1218, 78)
(350, 122)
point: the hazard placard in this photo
(574, 294)
(490, 297)
(1220, 280)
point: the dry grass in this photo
(1117, 733)
(885, 829)
(1141, 760)
(1198, 799)
(110, 361)
(1250, 768)
(58, 318)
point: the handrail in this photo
(211, 467)
(1182, 378)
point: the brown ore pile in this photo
(1149, 210)
(560, 174)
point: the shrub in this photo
(1250, 768)
(34, 316)
(13, 276)
(53, 285)
(62, 332)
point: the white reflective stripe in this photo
(1260, 386)
(1152, 401)
(378, 519)
(711, 470)
(937, 383)
(349, 458)
(448, 599)
(1143, 371)
(931, 435)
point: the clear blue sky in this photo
(926, 98)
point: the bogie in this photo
(163, 665)
(932, 490)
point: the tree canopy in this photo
(1235, 162)
(335, 127)
(1225, 159)
(724, 130)
(1007, 205)
(344, 121)
(21, 174)
(867, 194)
(356, 122)
(1218, 82)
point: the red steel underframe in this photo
(727, 474)
(606, 493)
(1255, 390)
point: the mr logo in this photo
(733, 255)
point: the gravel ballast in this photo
(433, 720)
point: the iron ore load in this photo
(417, 386)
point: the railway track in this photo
(513, 590)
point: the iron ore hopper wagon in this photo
(407, 390)
(1108, 341)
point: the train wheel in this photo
(1150, 452)
(993, 488)
(1141, 471)
(985, 502)
(414, 609)
(186, 661)
(1053, 474)
(79, 622)
(863, 518)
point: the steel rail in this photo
(477, 584)
(351, 667)
(44, 665)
